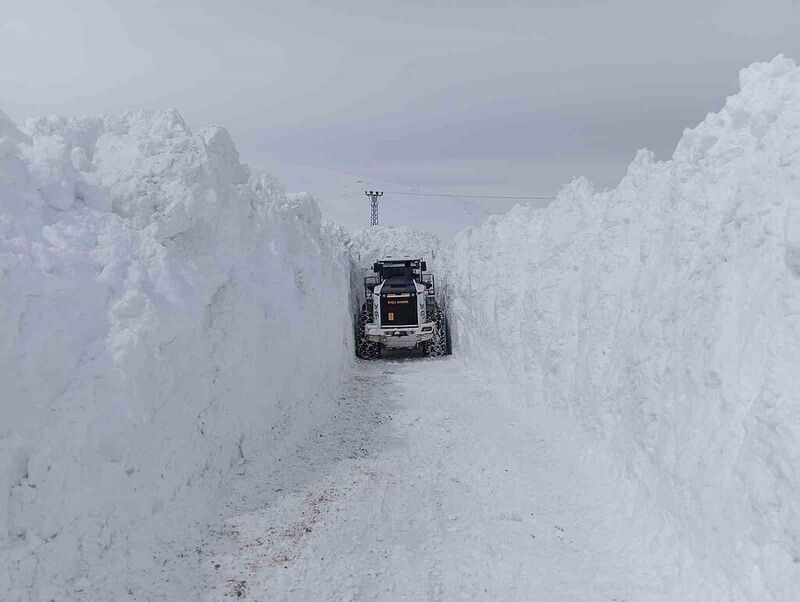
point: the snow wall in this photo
(665, 316)
(162, 314)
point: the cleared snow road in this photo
(425, 486)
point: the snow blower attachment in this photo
(400, 311)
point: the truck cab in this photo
(400, 302)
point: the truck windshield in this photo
(399, 269)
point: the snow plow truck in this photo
(400, 311)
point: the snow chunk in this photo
(793, 240)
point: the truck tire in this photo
(437, 346)
(365, 349)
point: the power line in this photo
(475, 196)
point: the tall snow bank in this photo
(162, 314)
(368, 245)
(665, 315)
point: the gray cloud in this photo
(384, 83)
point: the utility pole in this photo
(373, 195)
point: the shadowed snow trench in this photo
(423, 485)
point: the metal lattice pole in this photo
(373, 195)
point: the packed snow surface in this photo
(665, 316)
(427, 484)
(162, 315)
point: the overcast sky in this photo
(401, 87)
